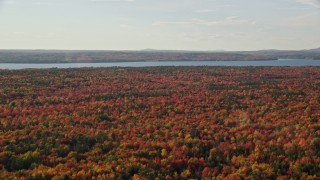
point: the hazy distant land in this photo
(92, 56)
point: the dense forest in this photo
(160, 122)
(77, 56)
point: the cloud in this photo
(314, 3)
(11, 2)
(205, 10)
(300, 21)
(228, 21)
(125, 26)
(112, 0)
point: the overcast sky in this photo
(160, 24)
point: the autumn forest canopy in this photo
(160, 122)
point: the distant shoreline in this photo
(123, 61)
(63, 56)
(252, 63)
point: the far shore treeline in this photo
(94, 56)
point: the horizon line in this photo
(152, 50)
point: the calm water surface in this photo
(281, 62)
